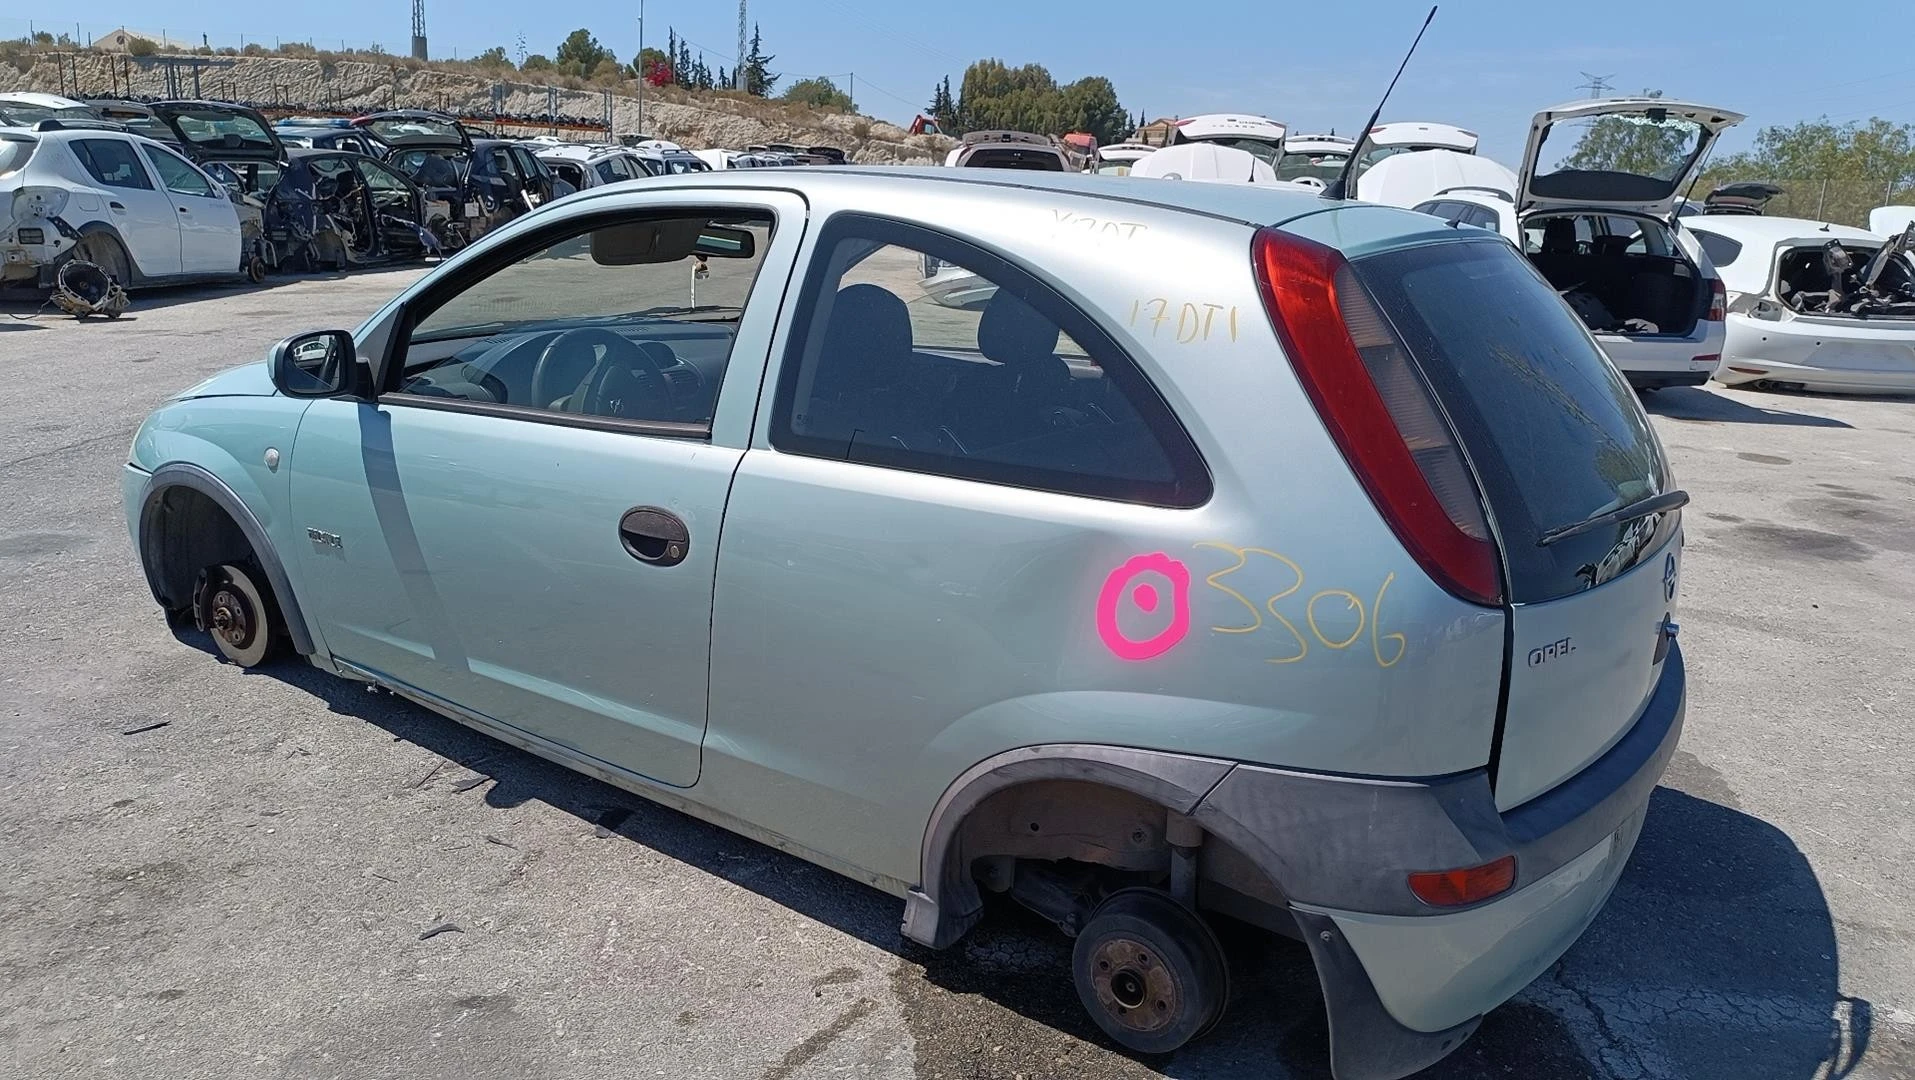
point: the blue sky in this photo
(1485, 66)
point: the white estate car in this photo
(1609, 241)
(1257, 135)
(1781, 330)
(584, 166)
(142, 212)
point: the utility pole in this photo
(640, 67)
(1598, 85)
(853, 95)
(418, 29)
(738, 74)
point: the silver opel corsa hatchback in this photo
(1211, 551)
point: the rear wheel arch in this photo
(189, 520)
(1112, 804)
(129, 274)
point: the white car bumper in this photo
(1857, 355)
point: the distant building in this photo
(119, 41)
(1157, 132)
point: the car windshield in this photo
(223, 130)
(1655, 150)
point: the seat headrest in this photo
(868, 329)
(1559, 236)
(1013, 333)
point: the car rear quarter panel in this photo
(876, 633)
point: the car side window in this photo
(176, 175)
(380, 178)
(914, 350)
(112, 162)
(629, 318)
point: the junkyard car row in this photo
(948, 504)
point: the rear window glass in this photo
(218, 129)
(112, 163)
(415, 127)
(1555, 434)
(1721, 250)
(14, 154)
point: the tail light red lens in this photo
(1718, 301)
(1368, 393)
(1454, 888)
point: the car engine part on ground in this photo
(83, 288)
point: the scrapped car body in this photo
(1407, 180)
(1118, 159)
(661, 157)
(1314, 160)
(1611, 242)
(1742, 197)
(1814, 306)
(1008, 150)
(332, 210)
(1131, 597)
(90, 190)
(1207, 163)
(1889, 220)
(474, 185)
(25, 108)
(1258, 135)
(588, 166)
(1411, 136)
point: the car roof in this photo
(1754, 229)
(1250, 204)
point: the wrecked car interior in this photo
(1622, 274)
(1850, 279)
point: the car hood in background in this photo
(1407, 180)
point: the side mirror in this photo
(317, 364)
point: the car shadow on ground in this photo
(1715, 959)
(1697, 405)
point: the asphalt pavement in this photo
(217, 873)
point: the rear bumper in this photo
(1866, 356)
(1405, 983)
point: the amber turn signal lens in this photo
(1454, 888)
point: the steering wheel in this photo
(573, 351)
(615, 382)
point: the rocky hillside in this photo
(358, 85)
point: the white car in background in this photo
(1207, 163)
(1409, 136)
(1314, 159)
(586, 166)
(1258, 135)
(1118, 159)
(1609, 241)
(83, 189)
(1783, 331)
(1888, 220)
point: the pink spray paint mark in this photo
(1146, 597)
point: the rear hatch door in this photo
(411, 128)
(1617, 153)
(1556, 440)
(214, 131)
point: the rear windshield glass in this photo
(415, 127)
(218, 129)
(14, 154)
(1555, 434)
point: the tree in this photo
(535, 62)
(943, 108)
(995, 95)
(493, 57)
(580, 53)
(1631, 144)
(818, 93)
(139, 46)
(1828, 171)
(755, 68)
(1090, 104)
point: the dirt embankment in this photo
(350, 86)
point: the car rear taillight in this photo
(1718, 301)
(1371, 397)
(1454, 888)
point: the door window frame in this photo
(81, 153)
(153, 153)
(389, 368)
(1191, 485)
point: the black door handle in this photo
(116, 206)
(654, 536)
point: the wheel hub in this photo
(230, 617)
(1134, 986)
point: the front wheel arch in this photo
(190, 519)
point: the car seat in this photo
(862, 383)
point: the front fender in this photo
(219, 447)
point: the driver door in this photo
(524, 523)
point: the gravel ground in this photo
(215, 873)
